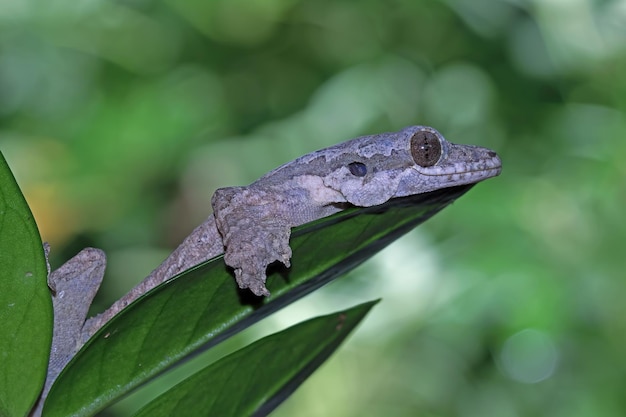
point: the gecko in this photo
(251, 224)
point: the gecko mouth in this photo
(485, 165)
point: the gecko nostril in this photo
(492, 154)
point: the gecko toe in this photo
(253, 282)
(260, 290)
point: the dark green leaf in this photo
(202, 306)
(256, 379)
(25, 304)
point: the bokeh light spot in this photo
(529, 356)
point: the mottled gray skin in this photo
(252, 224)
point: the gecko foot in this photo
(252, 282)
(254, 232)
(250, 258)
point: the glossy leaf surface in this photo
(257, 378)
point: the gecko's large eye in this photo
(358, 169)
(425, 148)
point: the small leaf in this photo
(202, 306)
(256, 379)
(25, 303)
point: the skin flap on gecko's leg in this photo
(254, 233)
(255, 221)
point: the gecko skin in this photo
(251, 225)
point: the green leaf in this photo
(256, 379)
(25, 303)
(202, 306)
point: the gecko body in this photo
(251, 225)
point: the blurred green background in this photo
(120, 118)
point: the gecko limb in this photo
(73, 287)
(254, 232)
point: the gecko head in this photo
(415, 160)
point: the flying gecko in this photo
(251, 225)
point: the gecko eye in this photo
(357, 169)
(425, 149)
